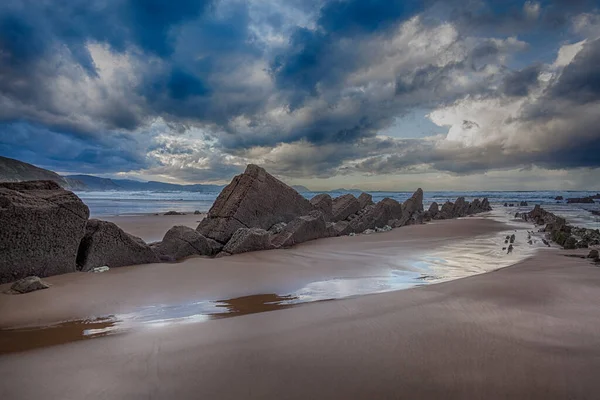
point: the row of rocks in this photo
(557, 229)
(584, 200)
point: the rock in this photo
(342, 228)
(446, 211)
(254, 199)
(510, 249)
(105, 243)
(248, 239)
(275, 229)
(174, 213)
(377, 215)
(181, 241)
(583, 200)
(461, 208)
(98, 270)
(365, 199)
(197, 212)
(412, 210)
(302, 229)
(595, 212)
(29, 284)
(512, 238)
(223, 254)
(593, 254)
(344, 206)
(324, 203)
(434, 210)
(523, 204)
(369, 232)
(559, 198)
(485, 205)
(41, 226)
(570, 243)
(511, 205)
(385, 228)
(505, 204)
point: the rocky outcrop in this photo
(434, 210)
(344, 206)
(383, 213)
(181, 241)
(582, 200)
(324, 203)
(254, 199)
(105, 243)
(412, 210)
(41, 226)
(302, 229)
(174, 213)
(248, 239)
(559, 198)
(365, 199)
(29, 284)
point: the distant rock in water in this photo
(582, 200)
(29, 284)
(523, 204)
(559, 198)
(105, 243)
(254, 199)
(41, 226)
(174, 213)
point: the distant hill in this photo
(300, 188)
(12, 170)
(95, 183)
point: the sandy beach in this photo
(526, 331)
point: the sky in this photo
(371, 94)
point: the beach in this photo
(525, 331)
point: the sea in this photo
(125, 203)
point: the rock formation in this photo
(181, 242)
(105, 243)
(344, 206)
(28, 284)
(41, 226)
(377, 216)
(254, 199)
(248, 239)
(412, 210)
(302, 229)
(365, 199)
(324, 203)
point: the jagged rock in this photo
(510, 249)
(105, 243)
(505, 204)
(342, 228)
(523, 204)
(174, 213)
(254, 199)
(559, 198)
(344, 206)
(485, 205)
(248, 239)
(302, 229)
(583, 200)
(461, 208)
(365, 199)
(378, 215)
(41, 226)
(593, 254)
(223, 254)
(434, 210)
(512, 238)
(385, 228)
(324, 203)
(275, 229)
(197, 212)
(29, 284)
(412, 210)
(570, 243)
(446, 211)
(181, 241)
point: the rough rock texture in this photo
(275, 229)
(324, 203)
(412, 210)
(434, 210)
(365, 199)
(446, 211)
(461, 208)
(105, 243)
(342, 228)
(181, 241)
(29, 284)
(302, 229)
(377, 216)
(344, 206)
(41, 226)
(584, 200)
(248, 239)
(593, 254)
(254, 199)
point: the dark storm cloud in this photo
(519, 83)
(580, 80)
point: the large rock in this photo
(254, 199)
(182, 241)
(461, 208)
(365, 199)
(302, 229)
(248, 239)
(377, 216)
(324, 203)
(41, 226)
(412, 210)
(105, 243)
(446, 211)
(29, 284)
(344, 206)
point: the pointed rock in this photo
(365, 199)
(248, 239)
(181, 241)
(324, 203)
(302, 229)
(344, 206)
(254, 199)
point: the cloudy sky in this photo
(375, 94)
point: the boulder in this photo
(582, 200)
(365, 199)
(412, 210)
(197, 212)
(523, 204)
(559, 198)
(254, 199)
(344, 206)
(275, 229)
(181, 241)
(377, 216)
(105, 244)
(446, 211)
(248, 239)
(461, 208)
(342, 228)
(485, 205)
(593, 254)
(434, 209)
(174, 213)
(41, 226)
(302, 229)
(324, 203)
(29, 284)
(570, 243)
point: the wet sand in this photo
(123, 290)
(151, 227)
(531, 331)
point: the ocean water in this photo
(112, 203)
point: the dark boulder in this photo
(181, 241)
(365, 199)
(41, 226)
(593, 254)
(302, 229)
(377, 216)
(29, 284)
(248, 239)
(105, 243)
(412, 210)
(523, 204)
(324, 203)
(254, 199)
(559, 198)
(570, 243)
(174, 213)
(461, 208)
(434, 210)
(344, 206)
